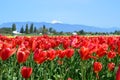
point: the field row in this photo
(60, 57)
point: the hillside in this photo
(61, 27)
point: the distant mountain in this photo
(61, 27)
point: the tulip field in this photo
(60, 57)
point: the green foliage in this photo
(50, 30)
(14, 27)
(73, 67)
(117, 32)
(43, 30)
(31, 28)
(81, 32)
(22, 30)
(26, 29)
(35, 30)
(5, 30)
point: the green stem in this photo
(1, 70)
(51, 68)
(83, 70)
(26, 79)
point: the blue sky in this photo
(101, 13)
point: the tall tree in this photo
(31, 28)
(35, 30)
(13, 27)
(81, 32)
(22, 30)
(54, 31)
(44, 30)
(50, 30)
(26, 29)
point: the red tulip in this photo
(69, 53)
(75, 43)
(61, 53)
(22, 55)
(69, 78)
(1, 45)
(118, 50)
(51, 54)
(102, 50)
(34, 45)
(118, 74)
(58, 52)
(60, 62)
(66, 43)
(84, 53)
(26, 72)
(40, 56)
(6, 53)
(111, 54)
(97, 68)
(111, 66)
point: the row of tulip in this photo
(60, 58)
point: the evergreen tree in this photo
(26, 29)
(14, 27)
(50, 30)
(22, 30)
(54, 31)
(44, 30)
(81, 32)
(35, 30)
(31, 28)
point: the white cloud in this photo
(55, 21)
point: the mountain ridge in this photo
(61, 26)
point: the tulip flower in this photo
(1, 45)
(118, 74)
(69, 78)
(26, 72)
(102, 50)
(60, 62)
(40, 56)
(61, 53)
(51, 54)
(69, 53)
(111, 54)
(34, 44)
(6, 53)
(118, 50)
(66, 43)
(22, 55)
(97, 68)
(111, 66)
(84, 53)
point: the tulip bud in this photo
(26, 72)
(97, 68)
(111, 66)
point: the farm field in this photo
(60, 57)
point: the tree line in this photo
(31, 29)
